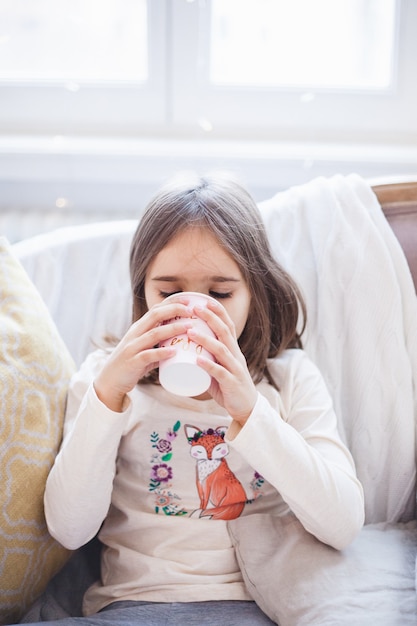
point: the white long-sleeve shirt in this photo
(161, 479)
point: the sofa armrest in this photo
(399, 204)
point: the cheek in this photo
(151, 296)
(240, 325)
(239, 315)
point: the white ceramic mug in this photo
(180, 374)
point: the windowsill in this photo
(206, 147)
(104, 171)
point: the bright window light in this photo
(73, 40)
(330, 44)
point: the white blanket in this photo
(333, 238)
(82, 273)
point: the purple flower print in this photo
(257, 483)
(161, 473)
(163, 446)
(171, 435)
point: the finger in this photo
(150, 358)
(171, 307)
(220, 311)
(220, 323)
(158, 334)
(222, 375)
(228, 358)
(161, 313)
(224, 334)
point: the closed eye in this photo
(220, 296)
(166, 294)
(214, 294)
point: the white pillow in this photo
(82, 274)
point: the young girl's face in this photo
(195, 261)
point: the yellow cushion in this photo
(35, 368)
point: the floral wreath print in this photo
(160, 482)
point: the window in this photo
(102, 100)
(281, 44)
(360, 56)
(233, 68)
(82, 66)
(74, 41)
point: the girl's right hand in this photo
(137, 353)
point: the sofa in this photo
(352, 246)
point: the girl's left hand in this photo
(232, 386)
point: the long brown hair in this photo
(217, 202)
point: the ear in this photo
(190, 432)
(222, 430)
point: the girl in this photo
(158, 475)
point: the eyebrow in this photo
(214, 279)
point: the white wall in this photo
(48, 182)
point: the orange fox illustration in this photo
(221, 494)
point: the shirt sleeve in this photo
(79, 485)
(294, 444)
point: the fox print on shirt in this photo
(222, 495)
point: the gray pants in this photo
(217, 613)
